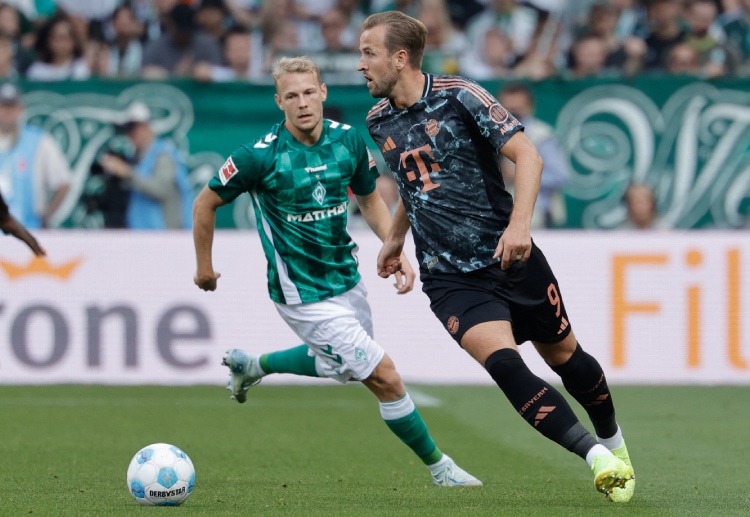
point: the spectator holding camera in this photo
(160, 193)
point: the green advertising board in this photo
(689, 139)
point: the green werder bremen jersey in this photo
(300, 198)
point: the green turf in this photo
(324, 451)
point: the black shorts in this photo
(525, 294)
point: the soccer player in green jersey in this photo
(11, 225)
(297, 175)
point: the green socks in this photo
(402, 417)
(293, 360)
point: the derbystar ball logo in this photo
(227, 170)
(39, 266)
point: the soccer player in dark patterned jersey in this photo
(297, 175)
(11, 225)
(487, 282)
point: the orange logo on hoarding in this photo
(40, 266)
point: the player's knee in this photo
(384, 381)
(555, 354)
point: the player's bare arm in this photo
(378, 218)
(515, 243)
(389, 258)
(204, 220)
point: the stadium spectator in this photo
(9, 225)
(59, 52)
(665, 24)
(241, 61)
(336, 58)
(22, 42)
(124, 52)
(642, 213)
(495, 57)
(589, 58)
(518, 23)
(305, 15)
(8, 69)
(318, 291)
(549, 209)
(713, 57)
(683, 60)
(35, 176)
(355, 12)
(445, 45)
(737, 31)
(280, 38)
(154, 15)
(335, 31)
(161, 196)
(212, 16)
(622, 54)
(176, 52)
(245, 13)
(631, 19)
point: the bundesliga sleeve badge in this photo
(227, 170)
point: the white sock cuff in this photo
(396, 409)
(614, 442)
(596, 450)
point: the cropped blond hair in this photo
(295, 65)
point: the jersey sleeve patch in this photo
(227, 170)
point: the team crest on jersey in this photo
(432, 128)
(319, 193)
(227, 170)
(498, 114)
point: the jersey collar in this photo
(425, 91)
(427, 84)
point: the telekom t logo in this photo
(424, 173)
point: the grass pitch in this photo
(324, 451)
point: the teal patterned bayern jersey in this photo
(444, 153)
(300, 198)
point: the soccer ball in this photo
(161, 475)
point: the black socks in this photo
(539, 403)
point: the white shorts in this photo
(338, 332)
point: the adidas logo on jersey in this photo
(389, 144)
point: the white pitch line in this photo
(422, 399)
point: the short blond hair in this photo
(295, 65)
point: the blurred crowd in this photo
(231, 40)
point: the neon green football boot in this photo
(612, 477)
(624, 494)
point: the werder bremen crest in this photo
(319, 193)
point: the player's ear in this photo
(323, 91)
(277, 98)
(401, 59)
